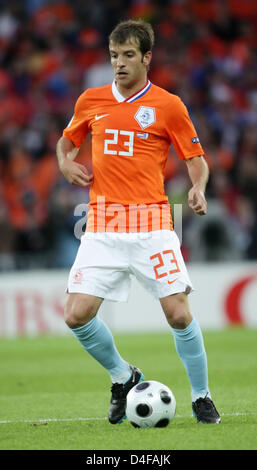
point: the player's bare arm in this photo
(199, 173)
(74, 172)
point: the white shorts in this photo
(105, 263)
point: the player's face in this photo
(129, 65)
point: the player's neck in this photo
(127, 91)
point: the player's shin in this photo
(190, 348)
(96, 338)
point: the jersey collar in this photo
(131, 98)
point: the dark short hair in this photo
(134, 29)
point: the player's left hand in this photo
(197, 201)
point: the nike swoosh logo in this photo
(101, 116)
(171, 282)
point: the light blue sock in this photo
(190, 348)
(97, 340)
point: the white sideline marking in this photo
(46, 420)
(57, 420)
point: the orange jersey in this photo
(130, 145)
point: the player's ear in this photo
(147, 58)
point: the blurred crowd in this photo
(52, 50)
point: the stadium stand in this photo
(50, 51)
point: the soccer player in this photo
(129, 229)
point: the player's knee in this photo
(179, 319)
(177, 312)
(77, 312)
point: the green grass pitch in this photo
(53, 395)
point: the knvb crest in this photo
(145, 116)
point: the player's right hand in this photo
(76, 173)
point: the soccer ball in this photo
(150, 404)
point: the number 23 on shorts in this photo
(161, 257)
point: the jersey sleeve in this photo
(181, 130)
(77, 129)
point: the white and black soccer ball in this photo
(150, 404)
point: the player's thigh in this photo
(80, 308)
(158, 264)
(101, 268)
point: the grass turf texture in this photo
(53, 379)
